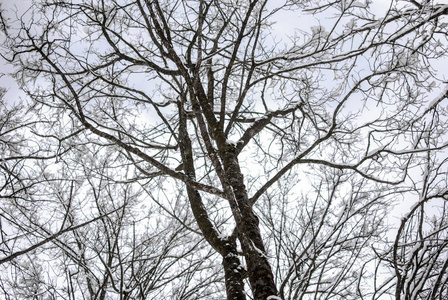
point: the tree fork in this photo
(233, 271)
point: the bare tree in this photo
(81, 234)
(418, 254)
(289, 151)
(74, 229)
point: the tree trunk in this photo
(233, 270)
(234, 274)
(259, 270)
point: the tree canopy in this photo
(225, 149)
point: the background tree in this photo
(290, 150)
(74, 229)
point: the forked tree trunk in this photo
(233, 271)
(259, 270)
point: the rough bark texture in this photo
(234, 273)
(260, 274)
